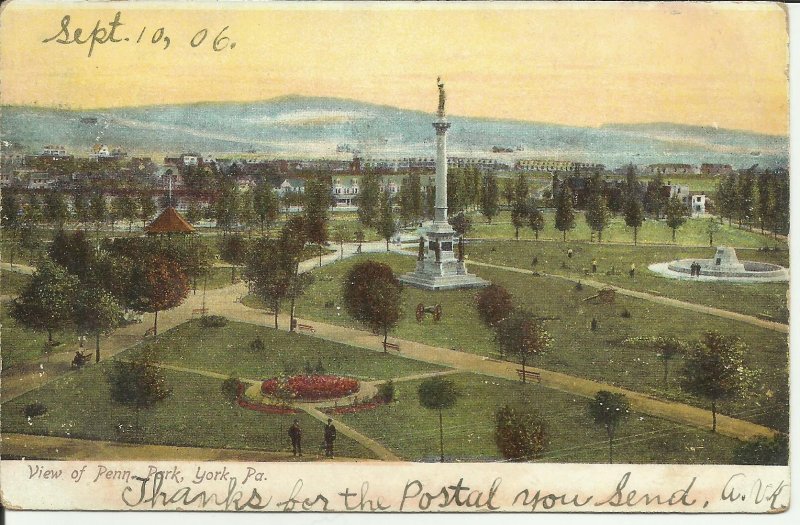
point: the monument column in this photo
(441, 127)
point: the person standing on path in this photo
(633, 270)
(296, 435)
(569, 253)
(330, 437)
(594, 265)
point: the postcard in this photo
(394, 257)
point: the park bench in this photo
(527, 374)
(200, 311)
(306, 327)
(391, 346)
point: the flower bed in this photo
(310, 387)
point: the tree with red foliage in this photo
(494, 304)
(372, 296)
(158, 284)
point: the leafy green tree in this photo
(535, 218)
(340, 236)
(372, 295)
(655, 197)
(519, 204)
(247, 213)
(411, 199)
(232, 250)
(765, 203)
(714, 369)
(147, 208)
(96, 312)
(490, 197)
(508, 191)
(11, 220)
(98, 211)
(317, 202)
(609, 409)
(265, 205)
(726, 197)
(194, 213)
(472, 186)
(520, 435)
(46, 303)
(667, 349)
(438, 394)
(80, 205)
(56, 211)
(565, 214)
(632, 206)
(745, 197)
(712, 227)
(226, 208)
(456, 200)
(386, 224)
(268, 273)
(73, 252)
(676, 214)
(368, 200)
(293, 240)
(125, 208)
(523, 335)
(597, 214)
(139, 383)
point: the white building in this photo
(54, 151)
(698, 204)
(100, 151)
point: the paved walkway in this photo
(727, 314)
(18, 268)
(72, 449)
(466, 362)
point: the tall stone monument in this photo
(438, 267)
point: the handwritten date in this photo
(110, 32)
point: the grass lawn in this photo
(12, 283)
(21, 344)
(196, 414)
(764, 299)
(576, 350)
(412, 431)
(226, 350)
(692, 233)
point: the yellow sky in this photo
(578, 64)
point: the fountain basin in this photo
(725, 266)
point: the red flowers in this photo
(310, 387)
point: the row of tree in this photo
(751, 199)
(79, 287)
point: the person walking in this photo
(330, 437)
(633, 270)
(594, 265)
(296, 435)
(569, 253)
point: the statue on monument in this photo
(442, 96)
(421, 251)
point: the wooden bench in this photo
(527, 374)
(306, 327)
(201, 311)
(391, 346)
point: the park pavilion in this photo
(168, 223)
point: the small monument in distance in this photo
(438, 268)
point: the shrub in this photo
(308, 368)
(230, 388)
(290, 369)
(386, 391)
(34, 410)
(763, 451)
(520, 436)
(319, 368)
(213, 321)
(494, 304)
(257, 345)
(625, 313)
(579, 286)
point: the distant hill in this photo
(303, 126)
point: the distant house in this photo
(698, 204)
(100, 151)
(292, 185)
(344, 190)
(39, 180)
(54, 151)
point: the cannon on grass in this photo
(436, 310)
(604, 296)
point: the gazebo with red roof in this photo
(169, 222)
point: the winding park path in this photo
(227, 302)
(727, 314)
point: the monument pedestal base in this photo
(448, 273)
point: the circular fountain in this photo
(725, 266)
